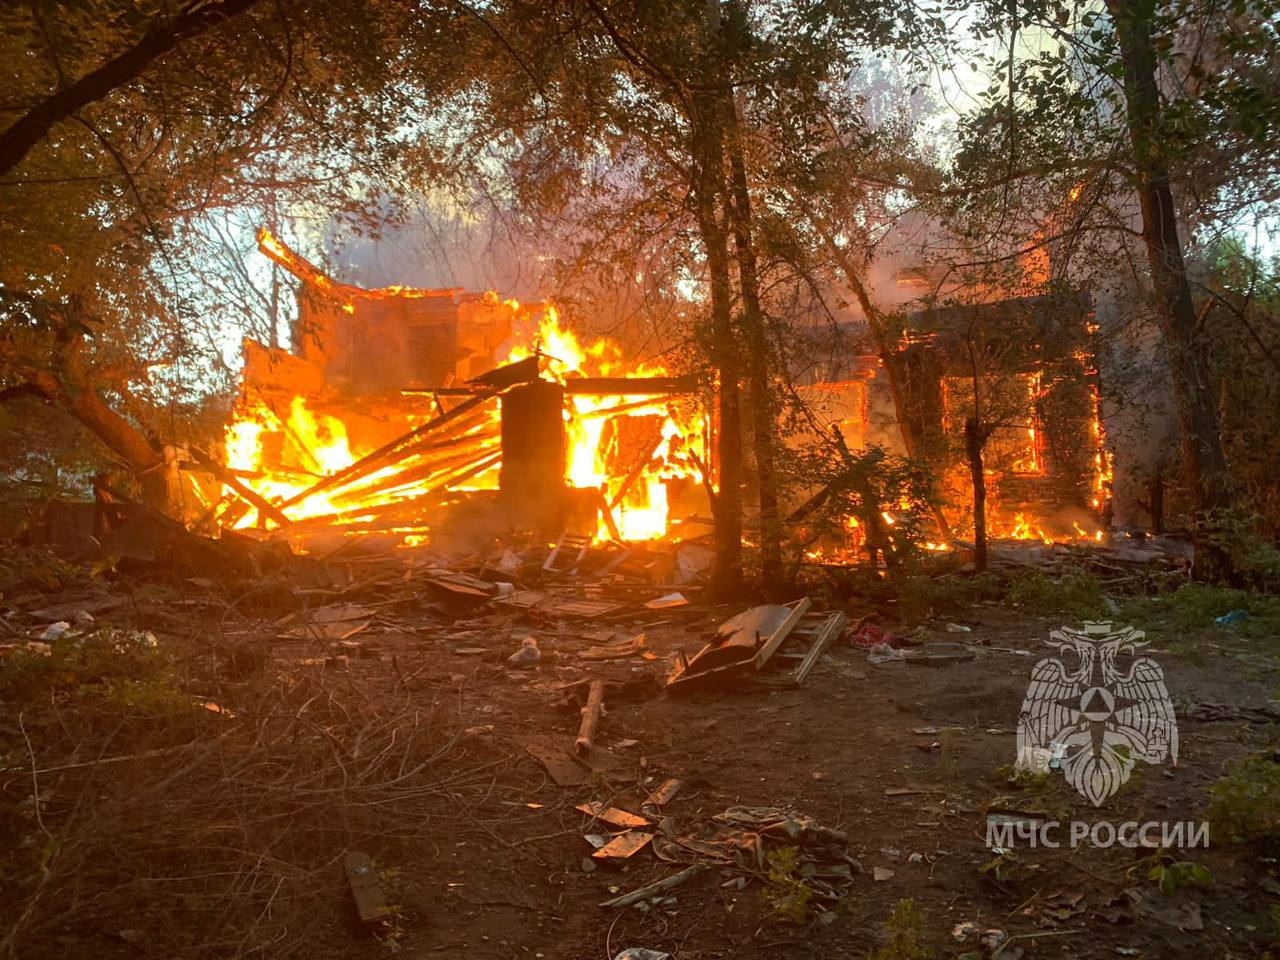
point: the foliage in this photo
(1077, 593)
(863, 485)
(921, 596)
(1171, 874)
(786, 891)
(1244, 806)
(1002, 867)
(1243, 535)
(904, 932)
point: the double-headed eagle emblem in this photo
(1091, 717)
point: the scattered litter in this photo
(991, 939)
(57, 631)
(869, 636)
(883, 653)
(616, 650)
(958, 628)
(659, 886)
(668, 601)
(665, 792)
(642, 953)
(612, 815)
(1234, 616)
(527, 655)
(371, 902)
(964, 932)
(624, 845)
(881, 874)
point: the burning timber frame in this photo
(410, 345)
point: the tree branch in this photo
(196, 17)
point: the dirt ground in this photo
(905, 759)
(832, 750)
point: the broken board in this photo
(567, 766)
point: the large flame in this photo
(281, 455)
(593, 429)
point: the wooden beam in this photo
(372, 461)
(628, 386)
(265, 506)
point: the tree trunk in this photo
(1204, 461)
(762, 405)
(973, 444)
(726, 577)
(65, 383)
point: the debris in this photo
(1234, 616)
(754, 636)
(1150, 903)
(992, 939)
(566, 766)
(964, 932)
(660, 886)
(958, 628)
(567, 554)
(868, 635)
(883, 653)
(881, 874)
(642, 953)
(624, 845)
(666, 792)
(590, 717)
(612, 815)
(561, 606)
(668, 601)
(527, 655)
(371, 902)
(913, 791)
(821, 631)
(616, 650)
(588, 865)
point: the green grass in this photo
(1078, 594)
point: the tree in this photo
(126, 127)
(1147, 124)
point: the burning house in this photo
(398, 408)
(395, 403)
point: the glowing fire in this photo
(279, 456)
(594, 436)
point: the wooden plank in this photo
(612, 815)
(232, 481)
(628, 386)
(624, 845)
(779, 636)
(371, 461)
(590, 717)
(835, 623)
(371, 902)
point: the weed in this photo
(1002, 866)
(1078, 594)
(786, 892)
(934, 596)
(1245, 805)
(904, 934)
(1171, 874)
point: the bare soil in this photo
(904, 758)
